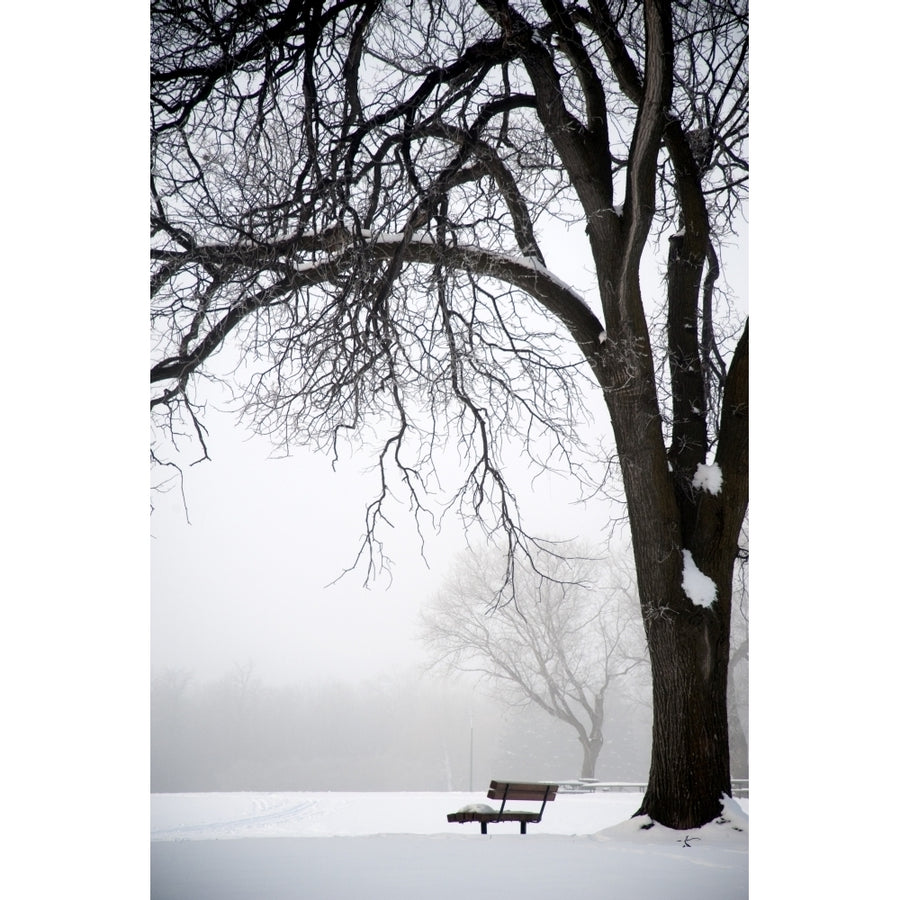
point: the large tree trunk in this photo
(689, 761)
(688, 643)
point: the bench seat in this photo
(505, 790)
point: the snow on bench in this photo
(507, 790)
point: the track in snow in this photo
(269, 813)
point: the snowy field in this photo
(349, 846)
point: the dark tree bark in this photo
(348, 191)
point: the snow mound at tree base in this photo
(732, 826)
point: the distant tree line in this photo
(406, 733)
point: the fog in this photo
(248, 566)
(399, 733)
(247, 578)
(267, 674)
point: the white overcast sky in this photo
(248, 579)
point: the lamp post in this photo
(471, 750)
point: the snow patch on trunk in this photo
(708, 478)
(700, 588)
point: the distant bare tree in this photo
(563, 645)
(350, 195)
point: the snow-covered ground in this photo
(331, 846)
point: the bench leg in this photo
(522, 827)
(484, 827)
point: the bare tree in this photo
(564, 644)
(350, 194)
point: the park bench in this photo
(503, 791)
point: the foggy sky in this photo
(250, 578)
(247, 579)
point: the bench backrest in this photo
(518, 790)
